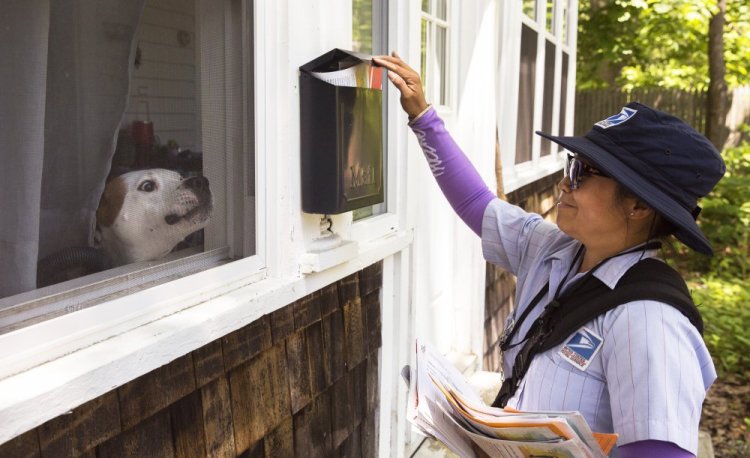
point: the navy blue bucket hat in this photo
(659, 158)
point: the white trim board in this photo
(44, 392)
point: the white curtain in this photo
(64, 77)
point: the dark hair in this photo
(660, 226)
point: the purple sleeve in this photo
(653, 449)
(456, 176)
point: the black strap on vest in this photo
(649, 279)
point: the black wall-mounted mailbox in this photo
(341, 123)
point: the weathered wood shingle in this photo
(302, 381)
(156, 390)
(83, 429)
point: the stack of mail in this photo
(443, 405)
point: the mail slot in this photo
(341, 129)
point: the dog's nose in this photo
(199, 182)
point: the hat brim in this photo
(687, 231)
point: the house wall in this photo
(500, 286)
(164, 86)
(300, 381)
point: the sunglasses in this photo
(576, 170)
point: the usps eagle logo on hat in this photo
(581, 348)
(616, 120)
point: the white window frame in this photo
(51, 367)
(378, 223)
(68, 326)
(366, 230)
(100, 289)
(512, 19)
(451, 44)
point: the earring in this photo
(632, 213)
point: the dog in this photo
(144, 214)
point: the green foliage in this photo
(723, 304)
(725, 218)
(719, 284)
(646, 43)
(362, 26)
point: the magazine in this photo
(443, 405)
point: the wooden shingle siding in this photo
(187, 426)
(299, 370)
(87, 426)
(333, 346)
(317, 358)
(151, 437)
(217, 418)
(354, 333)
(329, 300)
(243, 344)
(156, 390)
(312, 428)
(24, 446)
(372, 321)
(302, 381)
(370, 279)
(209, 363)
(282, 324)
(306, 311)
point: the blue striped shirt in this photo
(650, 374)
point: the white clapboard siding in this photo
(164, 105)
(165, 71)
(167, 54)
(182, 17)
(163, 88)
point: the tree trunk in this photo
(717, 87)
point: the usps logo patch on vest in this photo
(581, 348)
(616, 120)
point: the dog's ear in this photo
(111, 202)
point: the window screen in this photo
(563, 92)
(434, 50)
(369, 36)
(527, 76)
(549, 88)
(529, 8)
(129, 153)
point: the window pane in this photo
(563, 92)
(564, 19)
(362, 26)
(441, 55)
(550, 15)
(426, 6)
(529, 8)
(369, 33)
(148, 106)
(423, 55)
(549, 87)
(524, 131)
(441, 9)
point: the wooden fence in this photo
(593, 105)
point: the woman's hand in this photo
(407, 81)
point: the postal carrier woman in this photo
(636, 176)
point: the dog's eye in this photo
(147, 186)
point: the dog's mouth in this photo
(194, 202)
(195, 215)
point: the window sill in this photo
(75, 373)
(520, 175)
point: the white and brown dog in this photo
(144, 214)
